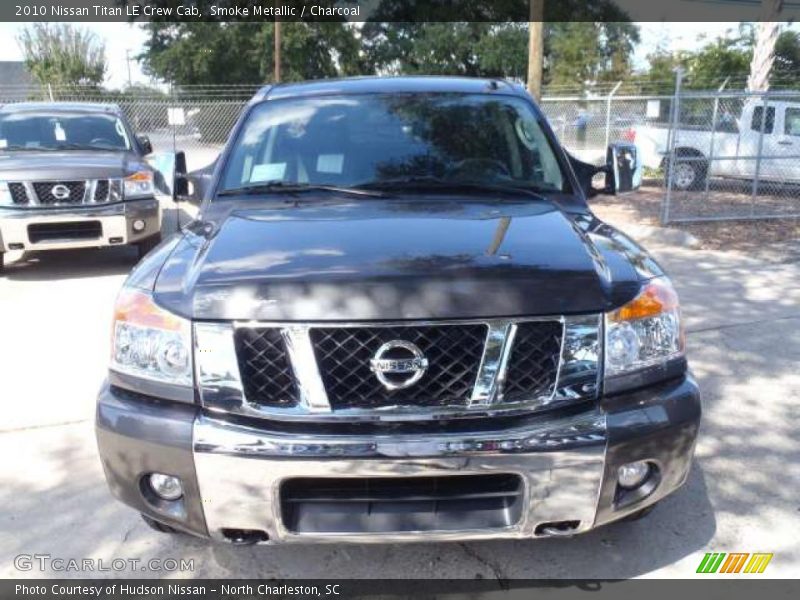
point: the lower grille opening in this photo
(76, 230)
(245, 537)
(401, 504)
(557, 528)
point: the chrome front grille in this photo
(60, 192)
(264, 367)
(453, 351)
(328, 371)
(19, 195)
(533, 362)
(65, 193)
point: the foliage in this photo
(242, 53)
(61, 54)
(455, 48)
(575, 53)
(786, 69)
(724, 58)
(582, 53)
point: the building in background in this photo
(15, 80)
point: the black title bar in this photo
(331, 589)
(395, 10)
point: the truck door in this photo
(725, 144)
(749, 145)
(788, 144)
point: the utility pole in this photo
(277, 53)
(535, 48)
(128, 63)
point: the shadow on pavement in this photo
(744, 348)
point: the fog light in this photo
(632, 475)
(167, 487)
(138, 225)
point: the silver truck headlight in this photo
(150, 342)
(5, 194)
(138, 185)
(646, 331)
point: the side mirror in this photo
(145, 144)
(585, 172)
(623, 168)
(180, 186)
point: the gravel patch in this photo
(643, 208)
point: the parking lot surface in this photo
(743, 322)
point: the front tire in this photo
(639, 514)
(158, 526)
(686, 175)
(148, 244)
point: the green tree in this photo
(456, 48)
(786, 69)
(727, 57)
(582, 53)
(717, 60)
(575, 53)
(241, 53)
(61, 54)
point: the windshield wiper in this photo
(17, 148)
(60, 147)
(86, 147)
(280, 185)
(433, 182)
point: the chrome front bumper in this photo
(232, 473)
(240, 471)
(115, 224)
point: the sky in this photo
(122, 37)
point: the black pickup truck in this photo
(395, 318)
(74, 175)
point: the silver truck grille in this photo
(343, 371)
(65, 193)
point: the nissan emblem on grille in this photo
(393, 359)
(60, 191)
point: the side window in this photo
(792, 122)
(758, 112)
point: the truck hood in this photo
(394, 259)
(72, 164)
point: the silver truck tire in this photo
(689, 175)
(158, 526)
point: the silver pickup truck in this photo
(74, 176)
(731, 150)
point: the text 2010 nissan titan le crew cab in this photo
(395, 318)
(74, 176)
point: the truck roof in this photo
(87, 107)
(384, 85)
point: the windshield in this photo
(62, 131)
(363, 140)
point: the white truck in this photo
(731, 150)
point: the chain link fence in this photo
(730, 155)
(712, 155)
(194, 119)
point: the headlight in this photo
(647, 331)
(138, 185)
(5, 194)
(150, 342)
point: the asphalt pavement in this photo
(743, 322)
